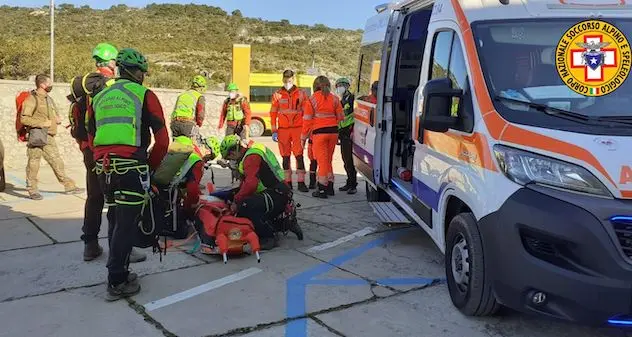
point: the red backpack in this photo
(20, 129)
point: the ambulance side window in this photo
(448, 61)
(457, 70)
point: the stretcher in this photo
(229, 234)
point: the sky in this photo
(349, 14)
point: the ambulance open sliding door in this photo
(365, 129)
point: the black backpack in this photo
(82, 90)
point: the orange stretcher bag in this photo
(233, 235)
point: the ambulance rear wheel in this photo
(257, 129)
(468, 283)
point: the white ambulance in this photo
(504, 129)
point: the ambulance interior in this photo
(406, 80)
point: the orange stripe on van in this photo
(497, 126)
(471, 149)
(626, 194)
(363, 112)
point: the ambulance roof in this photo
(476, 10)
(523, 9)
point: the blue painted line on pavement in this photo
(22, 183)
(296, 285)
(339, 282)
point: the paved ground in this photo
(379, 282)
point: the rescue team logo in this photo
(593, 58)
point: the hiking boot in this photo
(132, 277)
(75, 190)
(136, 256)
(123, 290)
(330, 189)
(312, 181)
(352, 190)
(92, 250)
(35, 196)
(321, 193)
(269, 243)
(302, 187)
(344, 188)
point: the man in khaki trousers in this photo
(38, 111)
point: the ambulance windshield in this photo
(563, 64)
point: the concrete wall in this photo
(15, 152)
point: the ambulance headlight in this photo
(524, 168)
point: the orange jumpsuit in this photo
(286, 118)
(322, 113)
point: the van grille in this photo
(622, 226)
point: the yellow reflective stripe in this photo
(130, 193)
(143, 198)
(289, 111)
(83, 84)
(129, 203)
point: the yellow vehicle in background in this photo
(262, 87)
(259, 88)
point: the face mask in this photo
(232, 95)
(341, 91)
(289, 85)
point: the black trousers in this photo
(261, 208)
(93, 208)
(124, 196)
(346, 150)
(182, 128)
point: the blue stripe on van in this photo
(426, 194)
(363, 154)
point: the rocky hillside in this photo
(179, 40)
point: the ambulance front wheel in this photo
(469, 286)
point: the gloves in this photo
(275, 137)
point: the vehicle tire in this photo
(3, 180)
(373, 195)
(257, 128)
(469, 285)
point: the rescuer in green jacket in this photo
(345, 130)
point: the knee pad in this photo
(286, 163)
(300, 163)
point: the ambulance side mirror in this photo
(438, 97)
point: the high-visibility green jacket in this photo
(118, 111)
(347, 102)
(269, 158)
(185, 105)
